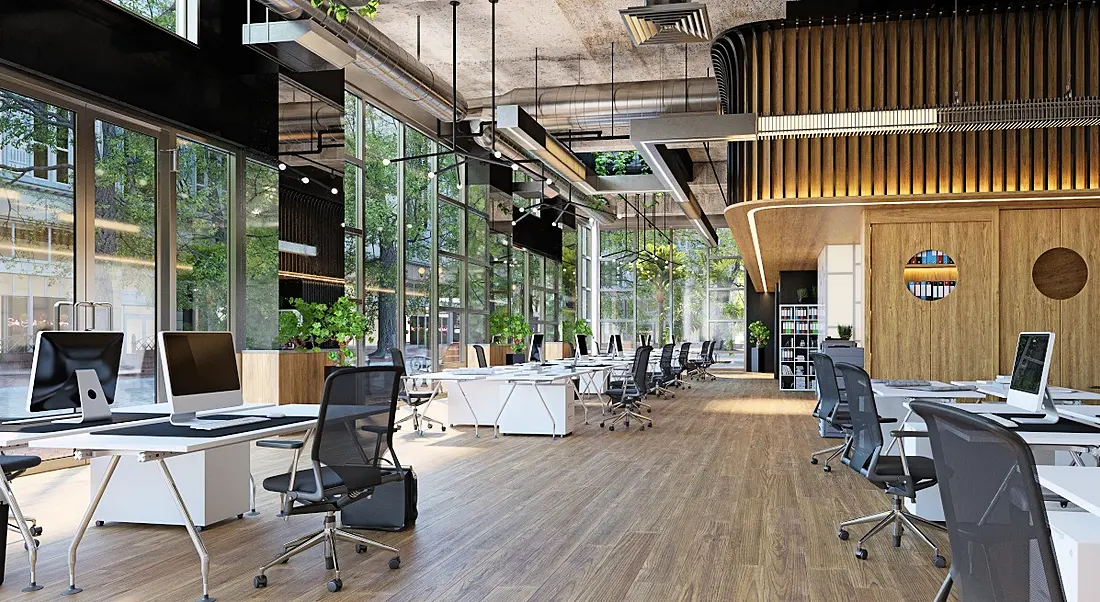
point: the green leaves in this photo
(616, 163)
(340, 11)
(759, 334)
(341, 323)
(513, 328)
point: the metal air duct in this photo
(380, 57)
(590, 106)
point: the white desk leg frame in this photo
(204, 557)
(470, 407)
(535, 385)
(83, 528)
(24, 529)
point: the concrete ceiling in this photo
(573, 38)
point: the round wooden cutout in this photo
(1060, 273)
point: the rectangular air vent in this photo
(667, 23)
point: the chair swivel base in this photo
(419, 420)
(328, 536)
(625, 416)
(899, 518)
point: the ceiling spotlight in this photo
(431, 174)
(497, 154)
(554, 224)
(385, 161)
(305, 180)
(335, 190)
(513, 222)
(549, 182)
(515, 167)
(282, 167)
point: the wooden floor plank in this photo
(716, 503)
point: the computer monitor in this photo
(75, 370)
(582, 345)
(536, 347)
(618, 340)
(1028, 388)
(200, 373)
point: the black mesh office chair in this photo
(706, 360)
(416, 396)
(13, 466)
(627, 398)
(899, 476)
(481, 361)
(683, 365)
(830, 407)
(695, 367)
(666, 378)
(352, 454)
(996, 519)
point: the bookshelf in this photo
(799, 333)
(931, 275)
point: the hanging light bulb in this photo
(431, 174)
(335, 190)
(549, 182)
(497, 154)
(513, 222)
(386, 161)
(305, 180)
(515, 167)
(282, 167)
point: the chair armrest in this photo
(909, 434)
(887, 420)
(281, 444)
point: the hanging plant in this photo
(340, 11)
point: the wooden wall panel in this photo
(900, 346)
(1079, 335)
(1024, 235)
(965, 319)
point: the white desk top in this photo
(134, 444)
(1078, 484)
(881, 390)
(996, 389)
(1054, 439)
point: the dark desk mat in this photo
(55, 427)
(1064, 425)
(166, 429)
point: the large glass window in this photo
(177, 16)
(617, 285)
(381, 137)
(125, 251)
(37, 240)
(202, 236)
(419, 201)
(261, 252)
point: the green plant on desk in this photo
(844, 331)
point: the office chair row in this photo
(995, 513)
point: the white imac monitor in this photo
(1030, 371)
(200, 373)
(75, 370)
(582, 345)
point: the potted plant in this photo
(343, 323)
(844, 331)
(759, 335)
(802, 294)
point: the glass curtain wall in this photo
(202, 237)
(617, 292)
(261, 269)
(419, 249)
(180, 17)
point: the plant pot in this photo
(514, 358)
(756, 359)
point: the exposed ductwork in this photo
(380, 57)
(590, 106)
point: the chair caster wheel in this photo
(1064, 504)
(611, 428)
(939, 562)
(36, 531)
(99, 523)
(813, 460)
(395, 562)
(842, 535)
(861, 554)
(36, 544)
(442, 429)
(601, 425)
(335, 585)
(430, 425)
(642, 429)
(360, 548)
(827, 468)
(626, 424)
(259, 581)
(896, 541)
(649, 411)
(198, 529)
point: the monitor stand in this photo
(1048, 411)
(93, 403)
(183, 419)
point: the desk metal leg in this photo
(251, 496)
(470, 407)
(204, 557)
(580, 399)
(496, 423)
(553, 424)
(83, 528)
(24, 529)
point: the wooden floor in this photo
(718, 502)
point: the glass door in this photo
(124, 270)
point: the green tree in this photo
(658, 266)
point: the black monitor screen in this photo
(618, 342)
(1031, 353)
(582, 344)
(536, 347)
(201, 362)
(57, 358)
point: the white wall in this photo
(840, 288)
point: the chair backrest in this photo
(704, 351)
(398, 357)
(996, 519)
(640, 369)
(597, 344)
(355, 423)
(685, 353)
(666, 358)
(866, 429)
(480, 352)
(828, 389)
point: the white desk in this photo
(1078, 484)
(892, 402)
(157, 450)
(1076, 535)
(1000, 390)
